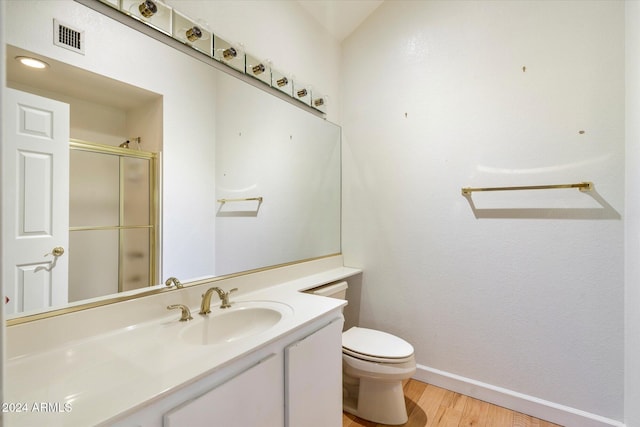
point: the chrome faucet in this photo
(173, 281)
(205, 307)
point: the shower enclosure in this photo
(112, 220)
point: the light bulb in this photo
(32, 62)
(229, 53)
(148, 8)
(194, 33)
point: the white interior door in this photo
(35, 201)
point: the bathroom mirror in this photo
(244, 179)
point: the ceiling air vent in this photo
(67, 37)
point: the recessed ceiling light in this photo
(32, 62)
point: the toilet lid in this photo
(377, 344)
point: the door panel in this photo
(35, 289)
(34, 194)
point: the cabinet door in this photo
(313, 381)
(253, 398)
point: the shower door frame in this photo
(154, 238)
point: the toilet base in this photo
(378, 401)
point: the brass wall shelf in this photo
(582, 186)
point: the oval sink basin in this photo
(242, 320)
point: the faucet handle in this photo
(225, 298)
(173, 281)
(185, 315)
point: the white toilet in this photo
(374, 364)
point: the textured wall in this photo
(518, 290)
(632, 230)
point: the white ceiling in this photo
(340, 17)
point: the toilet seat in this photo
(369, 358)
(376, 346)
(358, 368)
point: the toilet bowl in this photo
(374, 365)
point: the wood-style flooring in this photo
(431, 406)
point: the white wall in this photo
(526, 290)
(632, 220)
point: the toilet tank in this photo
(333, 290)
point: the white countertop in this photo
(89, 381)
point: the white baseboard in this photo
(539, 408)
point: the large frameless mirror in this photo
(173, 167)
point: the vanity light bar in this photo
(161, 17)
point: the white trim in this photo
(539, 408)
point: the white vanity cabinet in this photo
(295, 381)
(313, 379)
(252, 398)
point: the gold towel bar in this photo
(248, 199)
(583, 186)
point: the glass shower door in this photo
(112, 233)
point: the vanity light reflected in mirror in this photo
(148, 8)
(282, 82)
(135, 140)
(229, 53)
(258, 69)
(194, 34)
(32, 62)
(302, 91)
(319, 102)
(154, 13)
